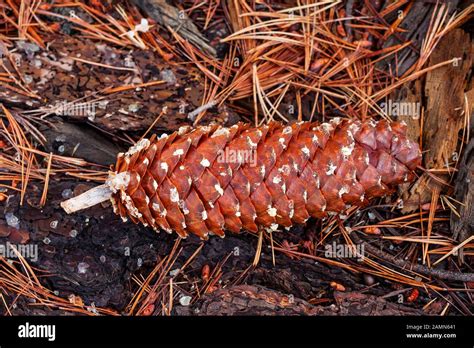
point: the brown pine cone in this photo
(210, 179)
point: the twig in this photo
(192, 115)
(170, 16)
(442, 274)
(88, 199)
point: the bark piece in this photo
(170, 16)
(413, 95)
(68, 139)
(444, 90)
(354, 303)
(257, 300)
(462, 226)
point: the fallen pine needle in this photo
(46, 181)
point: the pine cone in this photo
(210, 179)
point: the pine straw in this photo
(20, 279)
(314, 52)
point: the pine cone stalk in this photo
(209, 179)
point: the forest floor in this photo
(82, 81)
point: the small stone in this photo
(46, 240)
(129, 63)
(27, 47)
(82, 267)
(102, 258)
(168, 76)
(185, 300)
(139, 262)
(28, 79)
(53, 224)
(134, 107)
(174, 272)
(73, 233)
(67, 193)
(368, 279)
(12, 220)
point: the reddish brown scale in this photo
(194, 181)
